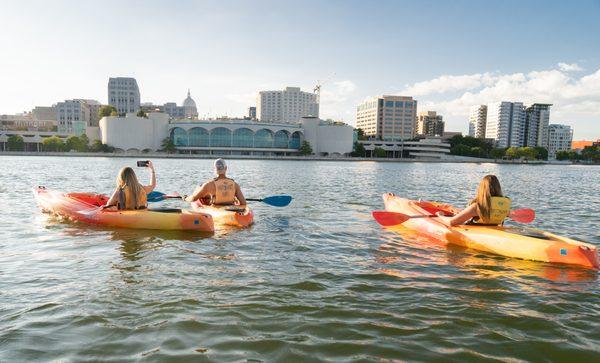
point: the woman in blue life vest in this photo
(489, 207)
(219, 191)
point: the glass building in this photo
(236, 137)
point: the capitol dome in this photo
(189, 106)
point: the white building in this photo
(477, 121)
(124, 94)
(286, 106)
(132, 133)
(429, 148)
(536, 125)
(505, 123)
(328, 138)
(560, 138)
(388, 117)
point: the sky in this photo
(449, 55)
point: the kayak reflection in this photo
(403, 245)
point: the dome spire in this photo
(188, 92)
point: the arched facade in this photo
(198, 136)
(236, 138)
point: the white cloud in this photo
(574, 99)
(446, 83)
(335, 97)
(566, 67)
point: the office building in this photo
(477, 121)
(124, 94)
(429, 123)
(387, 117)
(536, 125)
(505, 123)
(252, 113)
(287, 106)
(560, 138)
(73, 116)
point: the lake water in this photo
(317, 280)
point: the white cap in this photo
(220, 166)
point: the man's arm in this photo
(200, 192)
(239, 195)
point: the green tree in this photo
(360, 134)
(75, 143)
(497, 153)
(379, 152)
(168, 145)
(141, 113)
(53, 143)
(305, 148)
(542, 153)
(85, 140)
(359, 150)
(16, 143)
(563, 155)
(591, 153)
(527, 153)
(460, 149)
(512, 152)
(107, 110)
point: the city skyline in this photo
(227, 53)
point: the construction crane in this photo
(317, 89)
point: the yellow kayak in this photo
(524, 243)
(230, 215)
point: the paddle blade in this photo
(388, 219)
(155, 196)
(278, 200)
(524, 215)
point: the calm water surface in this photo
(318, 280)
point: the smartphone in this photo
(142, 163)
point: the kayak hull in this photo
(86, 208)
(226, 215)
(523, 243)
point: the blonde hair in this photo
(133, 192)
(488, 188)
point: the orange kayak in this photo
(230, 215)
(523, 243)
(86, 207)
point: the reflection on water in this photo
(316, 281)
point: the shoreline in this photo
(155, 155)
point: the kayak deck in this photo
(229, 215)
(517, 242)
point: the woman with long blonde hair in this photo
(130, 194)
(489, 207)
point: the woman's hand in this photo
(150, 165)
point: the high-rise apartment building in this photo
(536, 125)
(429, 123)
(287, 106)
(560, 138)
(505, 123)
(388, 117)
(124, 94)
(477, 121)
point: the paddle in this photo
(387, 219)
(275, 200)
(155, 196)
